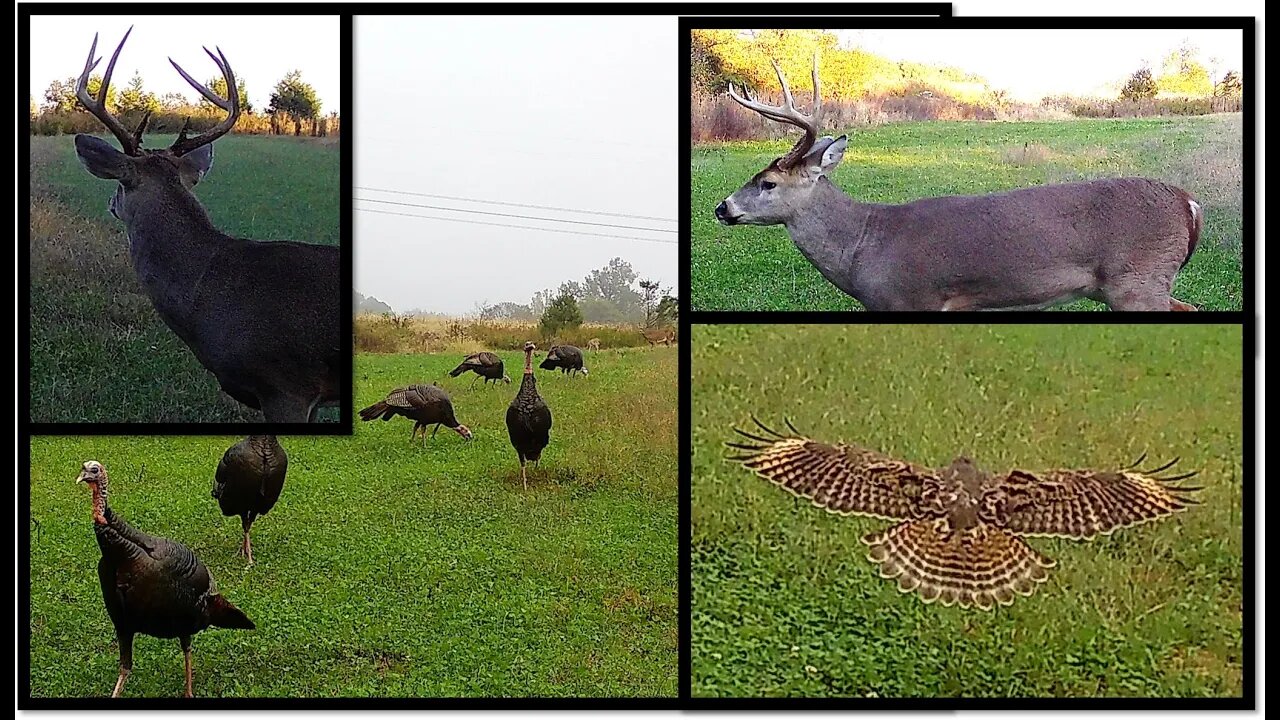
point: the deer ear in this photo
(99, 158)
(824, 156)
(198, 162)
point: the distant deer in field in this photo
(1119, 241)
(594, 344)
(263, 317)
(658, 336)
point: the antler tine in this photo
(97, 107)
(789, 102)
(816, 112)
(231, 104)
(787, 113)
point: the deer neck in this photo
(172, 244)
(831, 230)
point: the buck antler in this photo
(129, 142)
(787, 113)
(231, 104)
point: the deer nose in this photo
(722, 214)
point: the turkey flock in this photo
(158, 587)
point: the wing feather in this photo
(1082, 504)
(845, 479)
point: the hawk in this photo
(960, 529)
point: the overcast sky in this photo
(1033, 63)
(570, 112)
(261, 50)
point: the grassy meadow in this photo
(98, 350)
(393, 570)
(784, 602)
(758, 268)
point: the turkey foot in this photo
(124, 673)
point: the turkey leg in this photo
(126, 661)
(246, 548)
(185, 640)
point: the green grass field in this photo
(758, 268)
(784, 602)
(391, 570)
(98, 351)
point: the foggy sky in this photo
(572, 112)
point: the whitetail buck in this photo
(1120, 241)
(263, 317)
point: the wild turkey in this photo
(424, 405)
(566, 357)
(528, 418)
(151, 585)
(248, 481)
(484, 364)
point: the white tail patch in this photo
(1195, 209)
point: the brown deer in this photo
(1120, 241)
(658, 336)
(263, 317)
(594, 344)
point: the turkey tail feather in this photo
(225, 615)
(374, 411)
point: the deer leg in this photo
(433, 431)
(524, 479)
(473, 382)
(185, 641)
(126, 661)
(1138, 296)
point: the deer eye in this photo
(768, 185)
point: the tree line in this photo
(613, 294)
(860, 87)
(293, 108)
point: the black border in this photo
(345, 424)
(1247, 25)
(1249, 591)
(1246, 319)
(28, 429)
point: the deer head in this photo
(152, 183)
(780, 191)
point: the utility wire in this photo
(519, 227)
(522, 205)
(513, 215)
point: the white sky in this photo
(573, 112)
(1033, 63)
(261, 50)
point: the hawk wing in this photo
(1080, 504)
(845, 479)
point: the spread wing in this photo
(845, 479)
(1080, 504)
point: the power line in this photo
(519, 227)
(513, 215)
(523, 205)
